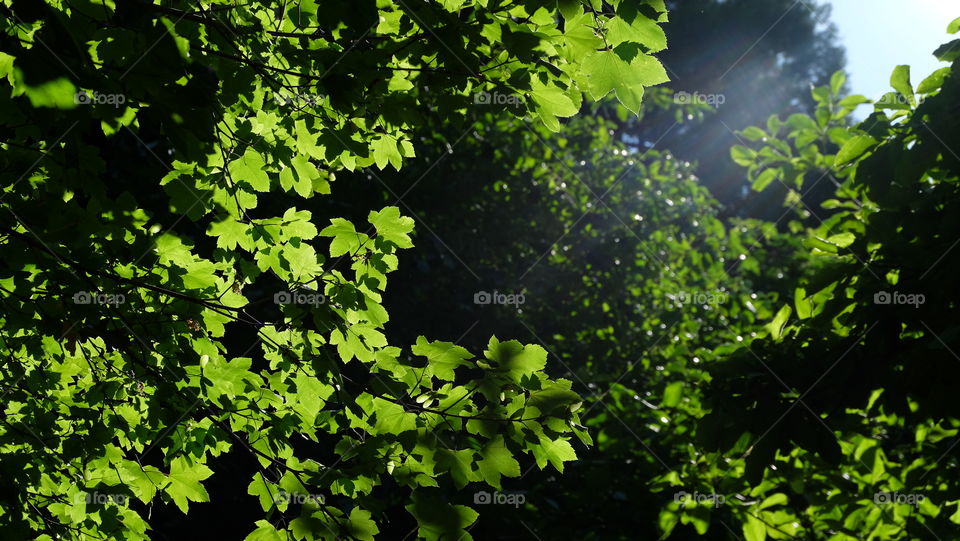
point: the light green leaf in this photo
(265, 532)
(185, 484)
(360, 526)
(775, 327)
(672, 394)
(496, 461)
(515, 360)
(900, 81)
(554, 451)
(934, 81)
(227, 378)
(803, 305)
(391, 418)
(231, 233)
(754, 529)
(554, 400)
(837, 81)
(640, 30)
(743, 156)
(56, 93)
(443, 357)
(385, 150)
(249, 168)
(853, 149)
(954, 26)
(346, 239)
(438, 519)
(551, 101)
(606, 71)
(392, 227)
(459, 463)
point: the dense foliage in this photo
(139, 326)
(202, 205)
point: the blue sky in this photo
(880, 34)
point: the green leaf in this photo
(296, 223)
(554, 451)
(934, 81)
(606, 71)
(570, 9)
(774, 500)
(442, 357)
(302, 260)
(803, 304)
(580, 38)
(497, 461)
(185, 484)
(900, 81)
(386, 150)
(754, 529)
(227, 378)
(360, 525)
(775, 327)
(948, 52)
(555, 400)
(551, 101)
(954, 26)
(742, 155)
(765, 178)
(753, 133)
(842, 239)
(853, 149)
(142, 480)
(438, 519)
(346, 239)
(515, 360)
(231, 233)
(306, 175)
(249, 168)
(837, 81)
(672, 394)
(392, 227)
(853, 100)
(263, 491)
(640, 30)
(200, 275)
(265, 532)
(391, 418)
(459, 463)
(57, 93)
